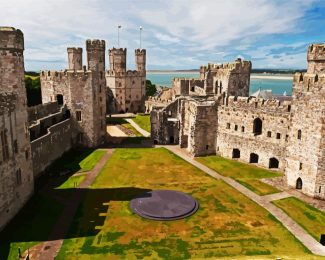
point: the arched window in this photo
(257, 126)
(273, 163)
(235, 153)
(299, 134)
(299, 184)
(253, 158)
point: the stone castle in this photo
(72, 113)
(214, 114)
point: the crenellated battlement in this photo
(11, 38)
(117, 51)
(140, 51)
(316, 52)
(304, 82)
(95, 44)
(269, 105)
(47, 75)
(316, 58)
(239, 64)
(74, 49)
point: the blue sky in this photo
(179, 34)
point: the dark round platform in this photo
(164, 205)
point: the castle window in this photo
(299, 184)
(59, 99)
(236, 127)
(169, 113)
(269, 134)
(289, 108)
(228, 125)
(273, 163)
(299, 134)
(257, 126)
(15, 146)
(235, 153)
(320, 189)
(300, 166)
(101, 74)
(192, 89)
(207, 147)
(100, 88)
(18, 177)
(253, 158)
(5, 147)
(278, 136)
(133, 82)
(78, 116)
(243, 129)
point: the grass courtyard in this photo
(123, 123)
(245, 174)
(143, 121)
(227, 223)
(310, 218)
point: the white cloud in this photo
(173, 30)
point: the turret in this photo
(140, 59)
(316, 59)
(117, 59)
(74, 58)
(12, 60)
(96, 55)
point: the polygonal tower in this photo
(117, 59)
(96, 55)
(140, 59)
(74, 58)
(16, 174)
(306, 147)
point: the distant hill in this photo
(266, 71)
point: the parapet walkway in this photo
(265, 201)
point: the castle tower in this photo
(316, 59)
(74, 58)
(96, 55)
(117, 59)
(306, 147)
(16, 174)
(140, 59)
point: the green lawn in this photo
(247, 175)
(226, 224)
(123, 123)
(33, 223)
(310, 218)
(143, 121)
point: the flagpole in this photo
(140, 36)
(118, 35)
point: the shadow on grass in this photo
(129, 142)
(36, 221)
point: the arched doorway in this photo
(299, 184)
(171, 139)
(235, 153)
(273, 163)
(257, 126)
(253, 158)
(59, 99)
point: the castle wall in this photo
(51, 146)
(42, 110)
(236, 129)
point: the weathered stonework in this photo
(214, 115)
(16, 174)
(126, 90)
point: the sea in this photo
(278, 86)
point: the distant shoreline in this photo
(253, 76)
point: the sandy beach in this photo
(271, 77)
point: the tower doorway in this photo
(299, 184)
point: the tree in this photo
(150, 88)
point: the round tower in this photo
(96, 55)
(117, 59)
(74, 58)
(316, 59)
(140, 59)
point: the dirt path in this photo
(265, 201)
(49, 249)
(137, 127)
